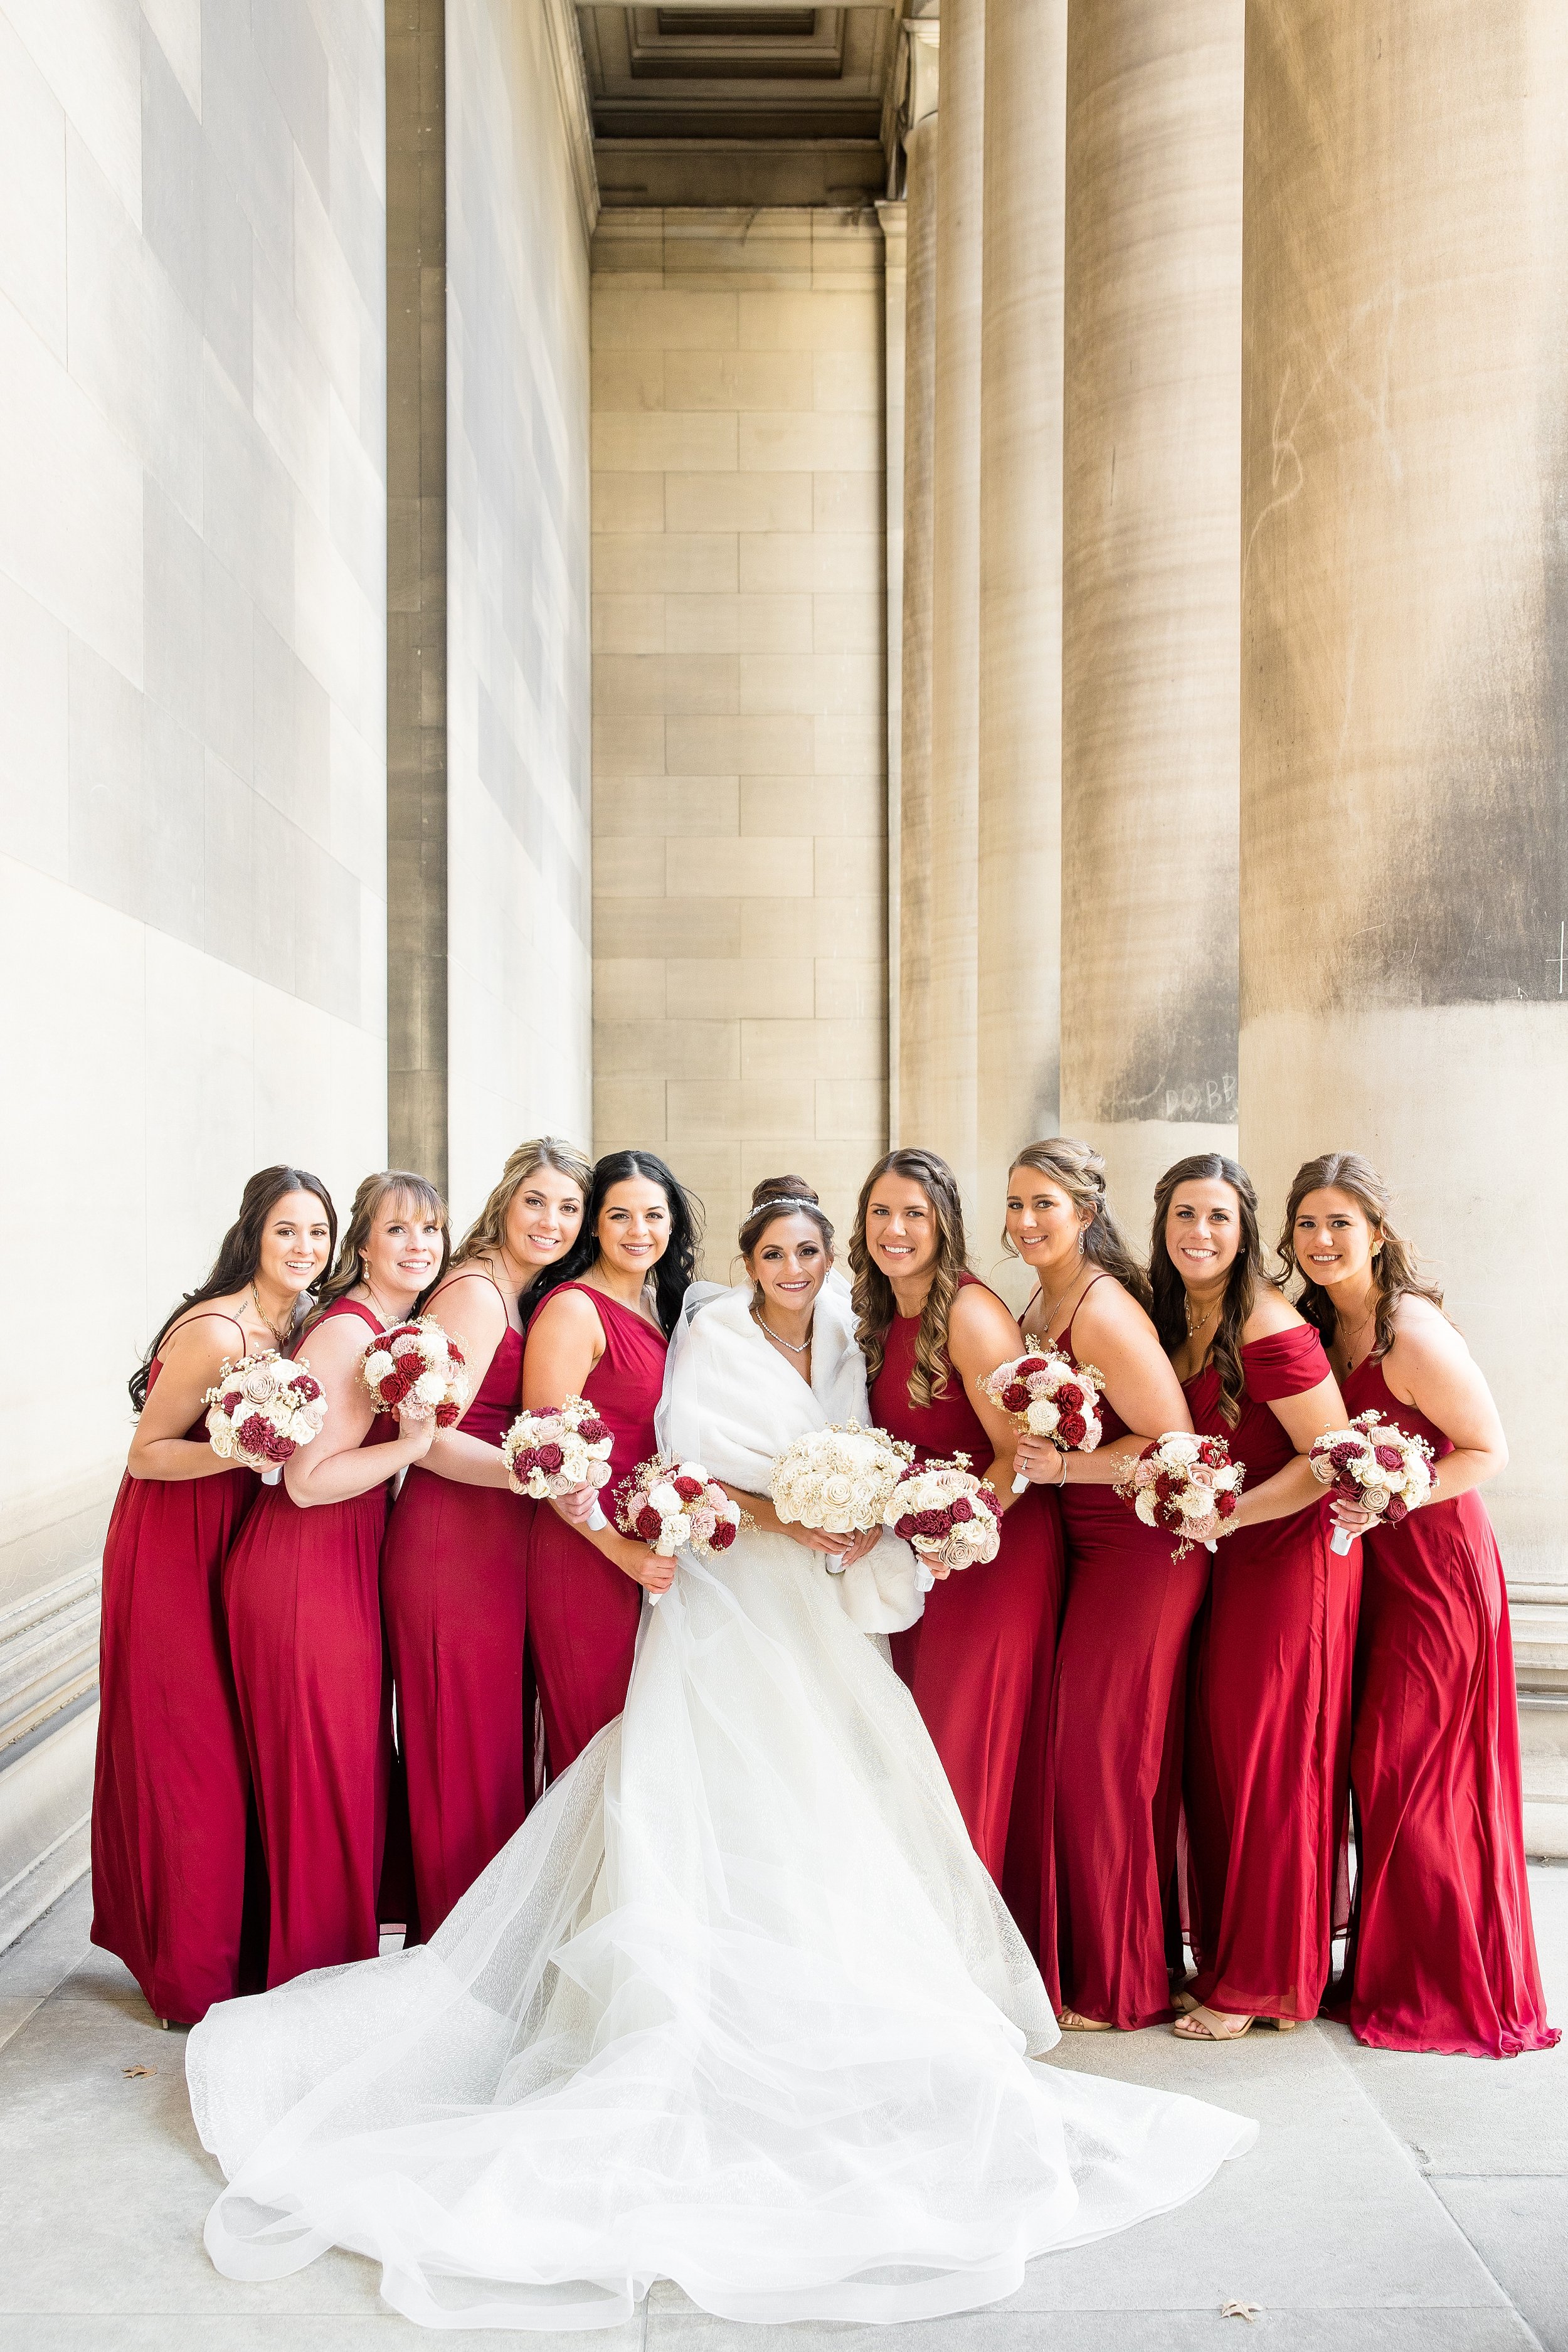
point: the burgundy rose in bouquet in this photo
(1049, 1396)
(1376, 1465)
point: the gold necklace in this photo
(1051, 1312)
(1348, 1340)
(279, 1338)
(1207, 1317)
(386, 1320)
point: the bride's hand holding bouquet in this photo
(833, 1485)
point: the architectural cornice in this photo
(565, 42)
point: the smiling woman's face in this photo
(633, 1230)
(788, 1262)
(1202, 1230)
(901, 1234)
(1334, 1237)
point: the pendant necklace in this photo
(280, 1339)
(804, 1346)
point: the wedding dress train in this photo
(737, 2006)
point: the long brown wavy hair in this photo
(1393, 1258)
(1248, 1270)
(238, 1259)
(875, 1306)
(423, 1200)
(1078, 1169)
(488, 1230)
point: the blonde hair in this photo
(1079, 1170)
(488, 1230)
(421, 1196)
(875, 1304)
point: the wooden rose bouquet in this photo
(675, 1505)
(1376, 1466)
(415, 1368)
(1047, 1396)
(551, 1451)
(839, 1479)
(948, 1516)
(262, 1410)
(1188, 1486)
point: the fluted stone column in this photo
(908, 1114)
(1149, 634)
(1405, 840)
(950, 1127)
(1020, 889)
(893, 214)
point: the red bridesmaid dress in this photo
(452, 1586)
(973, 1660)
(1268, 1718)
(1442, 1952)
(583, 1612)
(1115, 1781)
(302, 1593)
(170, 1786)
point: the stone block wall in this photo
(738, 700)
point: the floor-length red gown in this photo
(977, 1655)
(171, 1785)
(302, 1590)
(1117, 1715)
(453, 1581)
(583, 1612)
(1442, 1953)
(1269, 1716)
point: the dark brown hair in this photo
(672, 1271)
(423, 1200)
(1078, 1169)
(1393, 1259)
(238, 1259)
(875, 1306)
(781, 1196)
(1246, 1271)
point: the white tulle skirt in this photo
(737, 2007)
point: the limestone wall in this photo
(192, 669)
(518, 218)
(739, 754)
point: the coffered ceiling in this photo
(705, 101)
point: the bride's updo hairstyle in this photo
(875, 1306)
(1079, 1171)
(781, 1196)
(1393, 1259)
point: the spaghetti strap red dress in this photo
(1115, 1781)
(453, 1580)
(975, 1658)
(1268, 1717)
(1441, 1951)
(302, 1593)
(170, 1785)
(583, 1612)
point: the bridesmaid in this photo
(169, 1788)
(1442, 1952)
(302, 1590)
(452, 1581)
(930, 1332)
(599, 1325)
(1268, 1724)
(1118, 1703)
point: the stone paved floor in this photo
(1405, 2204)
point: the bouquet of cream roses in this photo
(261, 1410)
(1188, 1486)
(1376, 1466)
(839, 1480)
(1047, 1396)
(561, 1447)
(415, 1368)
(946, 1514)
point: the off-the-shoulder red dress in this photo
(1442, 1948)
(302, 1591)
(583, 1612)
(453, 1585)
(983, 1646)
(171, 1786)
(1268, 1720)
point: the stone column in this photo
(1405, 840)
(949, 1041)
(909, 1110)
(1151, 522)
(893, 214)
(1019, 895)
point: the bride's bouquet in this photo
(262, 1410)
(550, 1452)
(839, 1479)
(946, 1514)
(1188, 1486)
(1376, 1465)
(1047, 1396)
(669, 1505)
(415, 1368)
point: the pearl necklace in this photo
(767, 1330)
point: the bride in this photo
(738, 2005)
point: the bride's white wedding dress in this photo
(738, 2006)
